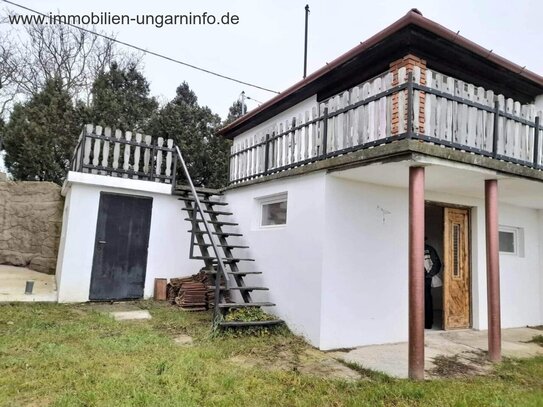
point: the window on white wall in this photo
(273, 210)
(511, 240)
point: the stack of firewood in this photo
(192, 293)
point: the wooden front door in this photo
(456, 273)
(120, 249)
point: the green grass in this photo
(65, 355)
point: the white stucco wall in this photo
(520, 275)
(290, 256)
(365, 273)
(540, 240)
(168, 241)
(338, 270)
(364, 288)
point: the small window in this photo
(511, 240)
(273, 211)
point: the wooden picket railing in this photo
(103, 152)
(459, 114)
(456, 115)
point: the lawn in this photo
(76, 355)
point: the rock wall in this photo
(30, 224)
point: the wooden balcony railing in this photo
(125, 155)
(444, 111)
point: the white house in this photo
(334, 185)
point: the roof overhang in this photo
(444, 50)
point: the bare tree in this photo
(44, 52)
(9, 87)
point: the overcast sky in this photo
(266, 46)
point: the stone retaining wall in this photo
(30, 224)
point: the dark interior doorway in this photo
(434, 225)
(120, 249)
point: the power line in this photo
(253, 99)
(156, 54)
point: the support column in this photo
(399, 68)
(416, 273)
(493, 270)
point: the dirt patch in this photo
(461, 365)
(183, 340)
(107, 307)
(306, 361)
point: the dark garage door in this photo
(120, 249)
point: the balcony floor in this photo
(449, 177)
(452, 171)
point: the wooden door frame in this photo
(469, 210)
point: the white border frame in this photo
(270, 199)
(518, 240)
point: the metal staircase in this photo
(208, 234)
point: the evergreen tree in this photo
(235, 111)
(41, 134)
(120, 99)
(193, 128)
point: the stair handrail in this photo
(218, 255)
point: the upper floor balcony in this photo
(412, 102)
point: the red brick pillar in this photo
(409, 62)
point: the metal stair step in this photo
(236, 273)
(248, 288)
(208, 211)
(243, 273)
(182, 189)
(215, 233)
(205, 201)
(234, 324)
(230, 246)
(225, 260)
(246, 304)
(214, 222)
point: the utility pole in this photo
(305, 45)
(243, 103)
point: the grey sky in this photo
(266, 47)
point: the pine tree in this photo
(235, 112)
(120, 99)
(41, 134)
(193, 128)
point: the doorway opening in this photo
(447, 231)
(433, 233)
